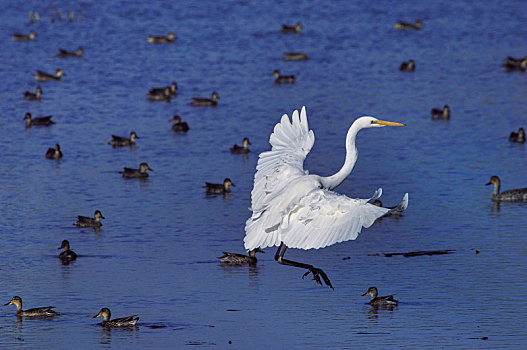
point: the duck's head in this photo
(98, 215)
(215, 96)
(59, 73)
(521, 133)
(298, 26)
(32, 35)
(494, 180)
(372, 291)
(39, 90)
(57, 147)
(275, 73)
(246, 142)
(16, 300)
(227, 182)
(65, 245)
(171, 36)
(173, 86)
(176, 119)
(105, 313)
(27, 116)
(377, 203)
(143, 167)
(133, 136)
(418, 23)
(80, 51)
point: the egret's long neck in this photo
(330, 182)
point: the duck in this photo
(67, 254)
(121, 141)
(65, 53)
(240, 259)
(375, 300)
(241, 149)
(85, 221)
(54, 153)
(37, 311)
(106, 314)
(40, 121)
(514, 61)
(134, 173)
(179, 126)
(200, 101)
(43, 76)
(287, 29)
(163, 94)
(157, 39)
(407, 66)
(211, 188)
(441, 113)
(516, 65)
(295, 56)
(24, 37)
(517, 136)
(282, 79)
(161, 90)
(36, 96)
(517, 195)
(405, 25)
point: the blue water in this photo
(156, 253)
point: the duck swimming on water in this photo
(295, 56)
(121, 141)
(513, 64)
(200, 101)
(40, 121)
(211, 188)
(405, 25)
(241, 149)
(517, 136)
(161, 90)
(24, 37)
(84, 221)
(54, 153)
(162, 94)
(179, 126)
(282, 79)
(158, 39)
(240, 259)
(517, 195)
(35, 96)
(287, 29)
(43, 76)
(136, 173)
(106, 314)
(375, 300)
(441, 113)
(67, 254)
(407, 66)
(65, 53)
(37, 311)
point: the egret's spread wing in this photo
(323, 217)
(290, 144)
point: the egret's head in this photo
(371, 122)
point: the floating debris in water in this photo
(421, 253)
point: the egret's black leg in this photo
(317, 273)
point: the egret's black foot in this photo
(317, 273)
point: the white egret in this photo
(294, 209)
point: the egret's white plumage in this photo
(300, 210)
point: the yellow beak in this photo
(385, 123)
